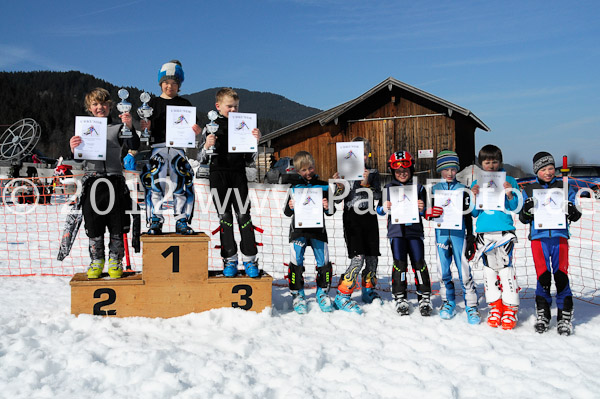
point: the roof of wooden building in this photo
(330, 115)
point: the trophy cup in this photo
(212, 128)
(145, 112)
(124, 106)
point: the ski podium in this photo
(175, 281)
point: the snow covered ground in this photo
(45, 352)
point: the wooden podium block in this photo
(175, 281)
(174, 258)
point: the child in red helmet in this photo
(406, 240)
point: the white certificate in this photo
(350, 160)
(240, 132)
(548, 212)
(93, 133)
(308, 207)
(179, 126)
(491, 191)
(405, 207)
(451, 201)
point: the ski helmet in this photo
(401, 159)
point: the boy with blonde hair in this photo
(106, 176)
(228, 178)
(316, 237)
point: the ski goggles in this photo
(402, 163)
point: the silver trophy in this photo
(124, 106)
(145, 112)
(212, 128)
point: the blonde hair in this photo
(133, 152)
(98, 95)
(226, 92)
(303, 159)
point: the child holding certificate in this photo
(455, 243)
(101, 178)
(315, 237)
(228, 178)
(495, 239)
(550, 247)
(406, 239)
(361, 232)
(168, 166)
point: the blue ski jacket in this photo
(536, 234)
(489, 221)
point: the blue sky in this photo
(528, 69)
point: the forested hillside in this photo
(53, 99)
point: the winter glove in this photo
(526, 216)
(471, 247)
(434, 212)
(573, 213)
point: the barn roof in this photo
(329, 115)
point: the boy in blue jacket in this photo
(457, 244)
(550, 249)
(406, 240)
(495, 240)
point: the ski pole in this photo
(127, 259)
(565, 178)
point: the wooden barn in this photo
(393, 116)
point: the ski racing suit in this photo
(451, 244)
(550, 250)
(406, 241)
(361, 232)
(229, 182)
(495, 242)
(315, 237)
(168, 170)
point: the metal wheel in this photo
(19, 140)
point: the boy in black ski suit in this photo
(228, 179)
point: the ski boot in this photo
(323, 300)
(299, 301)
(402, 306)
(345, 303)
(542, 309)
(496, 310)
(95, 268)
(115, 268)
(369, 295)
(425, 305)
(181, 227)
(509, 317)
(473, 316)
(448, 310)
(564, 325)
(251, 267)
(230, 269)
(155, 226)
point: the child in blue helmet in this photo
(457, 244)
(168, 163)
(407, 240)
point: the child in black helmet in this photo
(407, 240)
